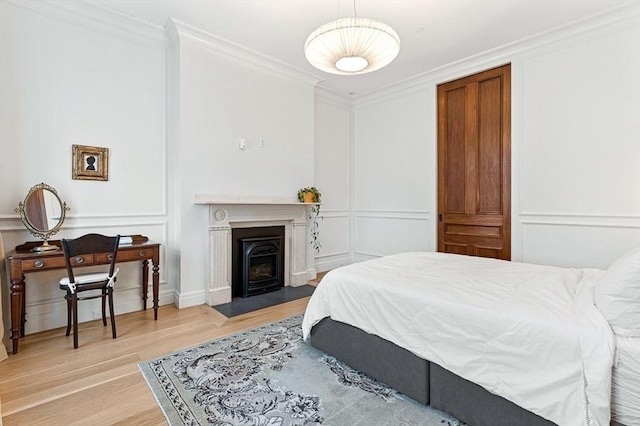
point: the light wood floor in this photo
(50, 383)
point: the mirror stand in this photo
(45, 247)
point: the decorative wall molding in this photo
(414, 227)
(580, 219)
(332, 261)
(95, 17)
(394, 214)
(331, 214)
(52, 313)
(360, 256)
(326, 255)
(234, 50)
(124, 216)
(117, 221)
(14, 224)
(127, 295)
(618, 19)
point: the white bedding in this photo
(625, 395)
(528, 333)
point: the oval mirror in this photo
(43, 213)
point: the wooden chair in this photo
(73, 284)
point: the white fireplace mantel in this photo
(227, 212)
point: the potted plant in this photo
(312, 195)
(309, 195)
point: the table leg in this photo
(145, 282)
(23, 311)
(17, 311)
(156, 287)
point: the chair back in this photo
(89, 244)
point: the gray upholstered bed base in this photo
(424, 381)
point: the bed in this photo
(489, 341)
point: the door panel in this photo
(456, 148)
(455, 248)
(474, 139)
(489, 148)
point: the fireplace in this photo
(227, 213)
(257, 260)
(261, 265)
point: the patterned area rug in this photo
(270, 377)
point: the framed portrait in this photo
(90, 162)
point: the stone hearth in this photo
(228, 212)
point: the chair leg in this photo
(74, 306)
(68, 314)
(104, 301)
(113, 317)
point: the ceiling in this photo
(432, 33)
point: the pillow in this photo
(617, 294)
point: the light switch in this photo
(242, 144)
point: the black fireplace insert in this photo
(257, 260)
(261, 270)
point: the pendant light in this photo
(350, 46)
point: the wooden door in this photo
(474, 164)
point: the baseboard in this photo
(50, 314)
(324, 265)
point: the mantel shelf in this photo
(246, 200)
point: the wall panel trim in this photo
(580, 219)
(334, 214)
(367, 254)
(394, 214)
(337, 253)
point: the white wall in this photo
(333, 161)
(226, 93)
(66, 79)
(578, 141)
(394, 160)
(575, 149)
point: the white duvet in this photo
(625, 380)
(528, 333)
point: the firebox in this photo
(247, 284)
(261, 265)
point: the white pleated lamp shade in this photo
(352, 46)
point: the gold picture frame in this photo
(90, 162)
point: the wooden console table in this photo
(22, 261)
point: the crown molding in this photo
(92, 16)
(619, 19)
(330, 97)
(182, 31)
